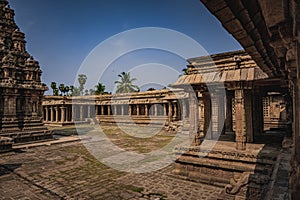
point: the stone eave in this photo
(245, 21)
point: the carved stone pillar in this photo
(67, 113)
(51, 114)
(155, 109)
(258, 117)
(249, 115)
(46, 113)
(240, 121)
(73, 115)
(207, 115)
(81, 113)
(193, 132)
(129, 110)
(229, 121)
(201, 115)
(102, 109)
(97, 109)
(62, 114)
(170, 113)
(88, 111)
(175, 110)
(183, 103)
(296, 121)
(165, 109)
(137, 110)
(56, 113)
(108, 110)
(114, 110)
(217, 115)
(122, 110)
(146, 110)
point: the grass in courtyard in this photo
(141, 139)
(138, 139)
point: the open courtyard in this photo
(69, 171)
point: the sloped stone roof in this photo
(224, 67)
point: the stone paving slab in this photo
(68, 171)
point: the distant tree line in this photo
(64, 90)
(124, 85)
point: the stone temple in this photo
(20, 85)
(262, 90)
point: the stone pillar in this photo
(122, 110)
(67, 113)
(115, 110)
(201, 115)
(137, 109)
(108, 110)
(249, 115)
(47, 113)
(88, 111)
(258, 115)
(193, 132)
(218, 114)
(155, 109)
(56, 113)
(165, 109)
(207, 115)
(183, 110)
(129, 110)
(6, 106)
(62, 114)
(51, 114)
(146, 110)
(81, 113)
(229, 122)
(175, 110)
(170, 113)
(240, 121)
(296, 120)
(101, 110)
(73, 115)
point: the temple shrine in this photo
(20, 86)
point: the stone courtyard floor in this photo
(69, 171)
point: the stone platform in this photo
(5, 144)
(245, 174)
(32, 131)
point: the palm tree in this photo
(67, 89)
(74, 91)
(81, 80)
(100, 89)
(61, 88)
(54, 88)
(126, 85)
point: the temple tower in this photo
(21, 90)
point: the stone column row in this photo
(212, 115)
(58, 114)
(100, 110)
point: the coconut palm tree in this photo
(54, 88)
(61, 88)
(81, 80)
(100, 89)
(125, 85)
(67, 89)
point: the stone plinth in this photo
(5, 144)
(244, 174)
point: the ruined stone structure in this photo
(20, 85)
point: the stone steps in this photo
(238, 172)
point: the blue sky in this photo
(61, 34)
